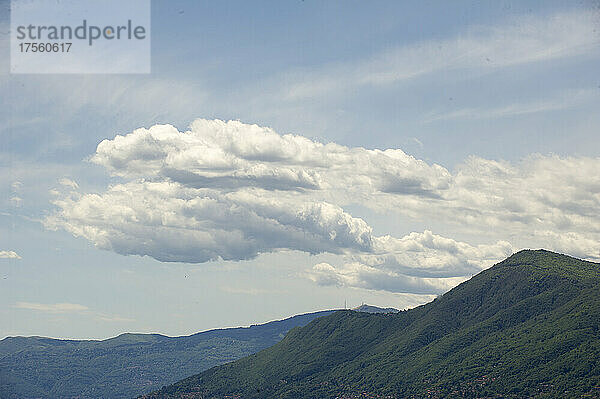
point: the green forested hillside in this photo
(127, 365)
(527, 327)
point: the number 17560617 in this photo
(45, 47)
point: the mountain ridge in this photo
(128, 364)
(373, 309)
(527, 326)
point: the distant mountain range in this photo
(528, 327)
(127, 365)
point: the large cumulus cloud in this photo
(171, 222)
(229, 190)
(233, 155)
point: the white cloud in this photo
(430, 255)
(520, 41)
(248, 291)
(542, 193)
(362, 276)
(420, 263)
(16, 201)
(417, 141)
(174, 223)
(113, 319)
(70, 308)
(228, 190)
(9, 255)
(565, 100)
(68, 183)
(52, 307)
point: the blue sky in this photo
(493, 104)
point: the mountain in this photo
(527, 327)
(127, 365)
(374, 309)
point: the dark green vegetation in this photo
(127, 365)
(527, 327)
(374, 309)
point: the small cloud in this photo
(419, 142)
(116, 319)
(16, 201)
(69, 183)
(71, 308)
(244, 291)
(52, 307)
(9, 255)
(565, 100)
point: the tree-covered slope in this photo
(127, 365)
(527, 327)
